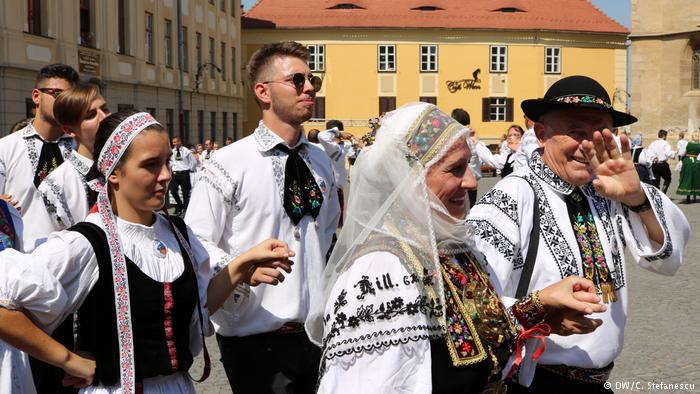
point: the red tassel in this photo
(539, 331)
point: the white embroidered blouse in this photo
(55, 279)
(65, 192)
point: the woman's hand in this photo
(259, 264)
(568, 302)
(265, 260)
(80, 371)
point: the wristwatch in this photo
(645, 206)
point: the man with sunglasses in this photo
(27, 157)
(273, 183)
(30, 154)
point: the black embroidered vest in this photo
(161, 315)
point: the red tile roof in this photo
(559, 15)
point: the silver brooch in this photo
(159, 248)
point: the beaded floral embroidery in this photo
(474, 313)
(428, 128)
(595, 267)
(583, 99)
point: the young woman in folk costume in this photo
(138, 280)
(65, 191)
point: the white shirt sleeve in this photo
(404, 368)
(682, 148)
(52, 281)
(202, 271)
(529, 142)
(663, 259)
(3, 172)
(399, 368)
(489, 158)
(215, 196)
(333, 149)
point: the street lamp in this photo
(198, 76)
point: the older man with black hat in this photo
(572, 211)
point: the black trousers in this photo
(181, 179)
(661, 170)
(274, 362)
(550, 382)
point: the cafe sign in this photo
(466, 84)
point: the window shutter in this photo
(319, 108)
(485, 109)
(509, 109)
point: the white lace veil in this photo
(389, 199)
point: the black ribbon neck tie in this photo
(302, 196)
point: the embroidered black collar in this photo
(542, 171)
(268, 140)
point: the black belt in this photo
(586, 375)
(291, 328)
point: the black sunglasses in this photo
(299, 79)
(53, 92)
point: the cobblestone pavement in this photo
(661, 338)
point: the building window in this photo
(151, 111)
(499, 59)
(428, 58)
(170, 121)
(233, 64)
(429, 100)
(212, 57)
(317, 57)
(233, 8)
(122, 27)
(198, 49)
(222, 5)
(224, 126)
(149, 38)
(234, 123)
(223, 61)
(185, 50)
(386, 104)
(387, 58)
(200, 127)
(552, 60)
(695, 80)
(34, 17)
(213, 126)
(319, 111)
(87, 35)
(186, 124)
(497, 109)
(168, 43)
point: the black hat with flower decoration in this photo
(576, 91)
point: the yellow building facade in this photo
(486, 72)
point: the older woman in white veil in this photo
(407, 305)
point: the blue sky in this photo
(617, 9)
